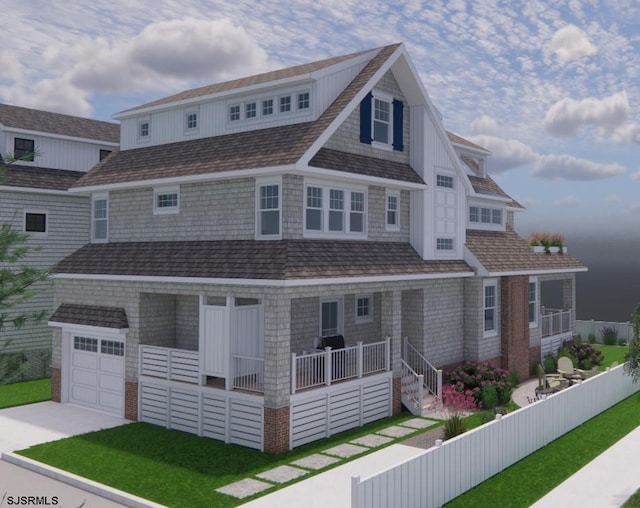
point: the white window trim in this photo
(369, 317)
(486, 226)
(141, 122)
(453, 181)
(94, 198)
(326, 188)
(260, 118)
(450, 251)
(396, 226)
(158, 191)
(292, 106)
(191, 130)
(496, 319)
(237, 120)
(260, 182)
(257, 104)
(340, 301)
(536, 313)
(383, 96)
(36, 234)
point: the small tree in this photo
(632, 357)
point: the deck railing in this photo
(248, 373)
(432, 377)
(412, 389)
(332, 365)
(555, 322)
(169, 363)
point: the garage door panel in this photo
(111, 401)
(84, 395)
(85, 360)
(111, 383)
(112, 364)
(87, 378)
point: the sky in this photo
(551, 88)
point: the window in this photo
(496, 216)
(303, 100)
(336, 211)
(85, 344)
(100, 218)
(485, 216)
(24, 149)
(381, 120)
(35, 222)
(533, 302)
(474, 214)
(364, 312)
(104, 154)
(143, 129)
(267, 107)
(112, 347)
(393, 205)
(250, 110)
(269, 210)
(166, 200)
(234, 113)
(285, 104)
(192, 120)
(444, 181)
(444, 243)
(490, 311)
(330, 317)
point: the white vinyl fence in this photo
(459, 464)
(584, 328)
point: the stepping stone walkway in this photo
(317, 461)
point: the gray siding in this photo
(292, 206)
(478, 347)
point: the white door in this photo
(215, 345)
(248, 337)
(96, 373)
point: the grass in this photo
(25, 392)
(171, 467)
(611, 354)
(633, 501)
(531, 478)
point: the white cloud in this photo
(567, 167)
(507, 153)
(627, 133)
(10, 65)
(527, 202)
(484, 125)
(569, 200)
(613, 198)
(570, 43)
(636, 175)
(566, 116)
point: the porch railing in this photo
(412, 389)
(248, 373)
(432, 377)
(555, 322)
(332, 365)
(169, 363)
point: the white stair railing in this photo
(432, 377)
(412, 389)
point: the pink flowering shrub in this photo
(474, 377)
(456, 403)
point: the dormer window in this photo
(267, 107)
(250, 110)
(234, 113)
(192, 120)
(303, 100)
(381, 121)
(285, 104)
(485, 216)
(23, 149)
(143, 129)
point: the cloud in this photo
(613, 198)
(636, 175)
(527, 202)
(507, 153)
(627, 133)
(10, 65)
(166, 54)
(570, 43)
(569, 201)
(566, 116)
(567, 167)
(484, 125)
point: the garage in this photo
(96, 377)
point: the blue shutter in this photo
(398, 123)
(365, 119)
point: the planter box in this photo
(553, 250)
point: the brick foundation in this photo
(514, 330)
(396, 407)
(56, 384)
(276, 430)
(131, 401)
(534, 360)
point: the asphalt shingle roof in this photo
(488, 184)
(57, 123)
(91, 315)
(253, 259)
(507, 252)
(39, 178)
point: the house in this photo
(244, 227)
(55, 150)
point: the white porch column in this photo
(391, 326)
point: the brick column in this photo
(131, 401)
(276, 430)
(514, 324)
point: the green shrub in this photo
(473, 376)
(584, 356)
(489, 396)
(550, 363)
(609, 335)
(513, 378)
(454, 426)
(622, 342)
(592, 338)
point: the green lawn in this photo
(171, 467)
(633, 501)
(611, 354)
(25, 392)
(530, 479)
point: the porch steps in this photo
(431, 406)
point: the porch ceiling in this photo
(251, 259)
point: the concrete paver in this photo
(282, 474)
(244, 488)
(418, 423)
(371, 440)
(316, 461)
(396, 431)
(345, 450)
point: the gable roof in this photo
(489, 187)
(39, 178)
(57, 123)
(91, 315)
(275, 146)
(459, 140)
(255, 259)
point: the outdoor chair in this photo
(547, 383)
(567, 370)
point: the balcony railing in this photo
(555, 322)
(332, 365)
(248, 373)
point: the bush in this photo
(513, 378)
(622, 342)
(592, 338)
(550, 363)
(584, 356)
(473, 376)
(456, 404)
(454, 426)
(609, 335)
(489, 396)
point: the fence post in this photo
(294, 373)
(439, 385)
(387, 352)
(355, 481)
(328, 366)
(169, 363)
(359, 359)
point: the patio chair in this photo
(567, 370)
(547, 382)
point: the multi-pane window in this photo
(393, 202)
(487, 216)
(234, 113)
(250, 110)
(490, 308)
(357, 217)
(85, 344)
(143, 129)
(303, 100)
(192, 120)
(474, 214)
(496, 216)
(285, 104)
(381, 120)
(330, 314)
(533, 305)
(23, 149)
(269, 210)
(364, 312)
(100, 213)
(112, 347)
(314, 209)
(444, 243)
(444, 181)
(267, 107)
(35, 222)
(336, 210)
(166, 200)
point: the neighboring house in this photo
(245, 224)
(58, 149)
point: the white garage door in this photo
(97, 374)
